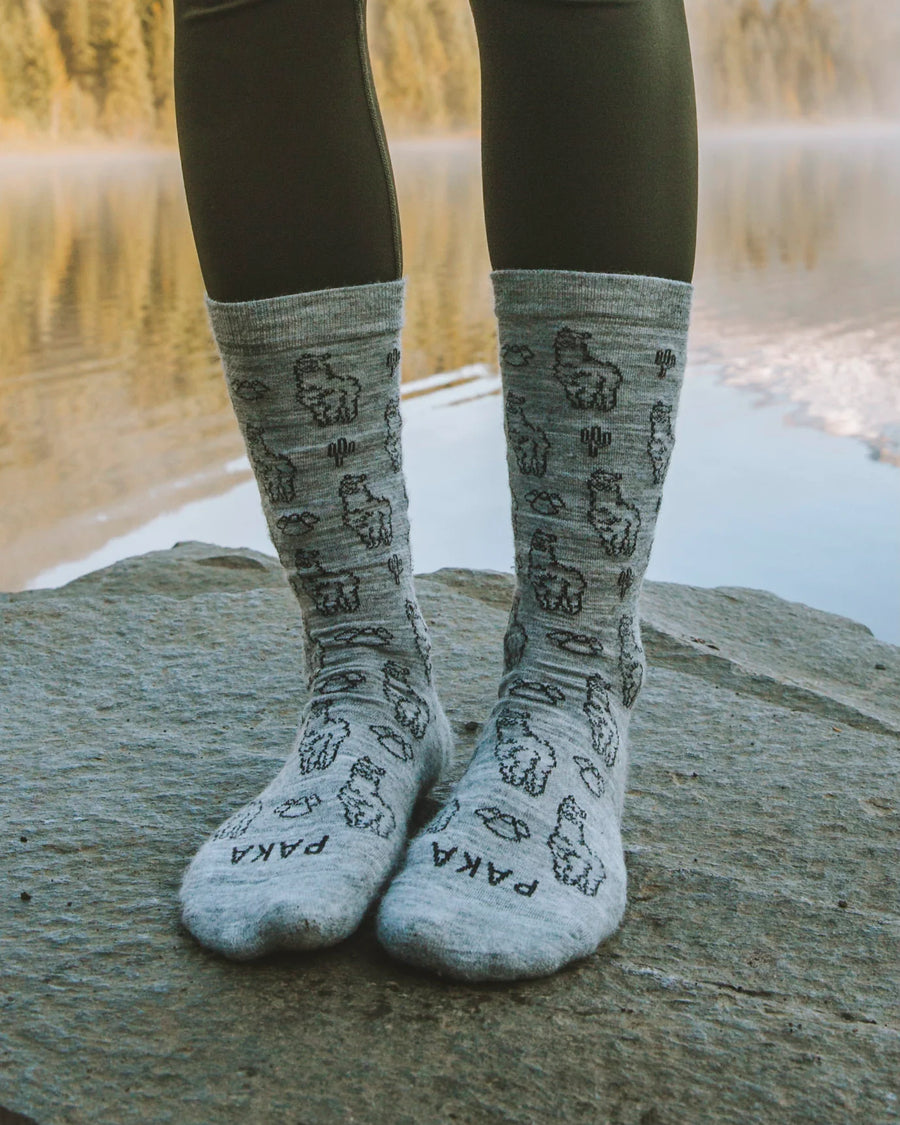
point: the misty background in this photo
(78, 70)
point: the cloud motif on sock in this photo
(580, 644)
(341, 681)
(250, 390)
(504, 825)
(535, 691)
(393, 742)
(295, 807)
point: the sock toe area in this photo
(457, 938)
(264, 919)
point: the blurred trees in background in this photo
(85, 69)
(89, 69)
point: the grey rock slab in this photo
(755, 977)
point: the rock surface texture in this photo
(755, 977)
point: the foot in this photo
(314, 380)
(523, 870)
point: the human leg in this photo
(523, 869)
(286, 172)
(314, 376)
(589, 135)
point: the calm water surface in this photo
(116, 435)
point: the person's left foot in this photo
(523, 869)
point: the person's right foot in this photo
(314, 379)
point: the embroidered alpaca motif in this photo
(589, 383)
(615, 520)
(526, 760)
(329, 397)
(574, 863)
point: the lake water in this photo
(116, 436)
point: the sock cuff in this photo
(632, 299)
(319, 317)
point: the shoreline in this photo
(21, 149)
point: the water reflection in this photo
(798, 275)
(113, 411)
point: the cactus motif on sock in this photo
(395, 568)
(624, 582)
(666, 359)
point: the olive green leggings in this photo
(589, 147)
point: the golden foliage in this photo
(791, 59)
(85, 69)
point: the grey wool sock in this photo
(314, 379)
(523, 869)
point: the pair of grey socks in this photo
(523, 869)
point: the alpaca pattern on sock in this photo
(524, 870)
(315, 380)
